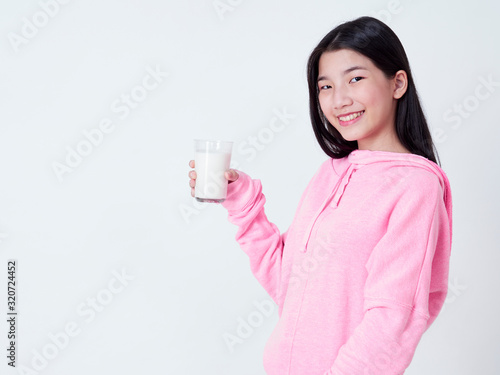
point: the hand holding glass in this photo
(212, 160)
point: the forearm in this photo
(257, 237)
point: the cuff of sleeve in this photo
(241, 193)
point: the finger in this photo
(192, 174)
(231, 175)
(191, 163)
(192, 183)
(192, 192)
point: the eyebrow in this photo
(352, 68)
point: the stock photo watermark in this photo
(384, 358)
(385, 15)
(31, 26)
(88, 309)
(121, 107)
(247, 149)
(300, 272)
(462, 110)
(12, 267)
(258, 142)
(222, 7)
(245, 328)
(3, 236)
(455, 290)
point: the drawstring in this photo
(346, 177)
(334, 196)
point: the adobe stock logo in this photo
(265, 135)
(464, 109)
(385, 15)
(221, 7)
(249, 149)
(60, 340)
(122, 107)
(246, 327)
(31, 26)
(3, 236)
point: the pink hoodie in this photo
(361, 272)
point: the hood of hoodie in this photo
(359, 158)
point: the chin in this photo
(349, 139)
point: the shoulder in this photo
(395, 181)
(411, 175)
(414, 183)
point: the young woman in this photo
(362, 271)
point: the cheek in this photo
(324, 109)
(377, 97)
(369, 96)
(323, 104)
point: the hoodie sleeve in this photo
(257, 237)
(406, 284)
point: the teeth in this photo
(351, 117)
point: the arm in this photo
(258, 238)
(406, 284)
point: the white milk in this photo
(210, 180)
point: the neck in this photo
(390, 142)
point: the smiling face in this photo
(359, 100)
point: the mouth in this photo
(350, 118)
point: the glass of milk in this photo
(211, 161)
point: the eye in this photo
(356, 79)
(325, 87)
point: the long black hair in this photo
(375, 40)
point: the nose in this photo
(341, 98)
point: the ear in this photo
(400, 81)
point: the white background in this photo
(126, 207)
